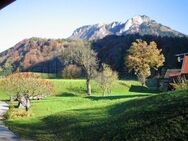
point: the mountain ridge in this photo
(140, 24)
(41, 55)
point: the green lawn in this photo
(129, 113)
(78, 87)
(4, 96)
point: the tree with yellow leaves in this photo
(142, 57)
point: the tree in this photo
(142, 57)
(72, 71)
(7, 68)
(106, 79)
(26, 85)
(85, 57)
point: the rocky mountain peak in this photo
(136, 21)
(140, 24)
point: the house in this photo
(4, 3)
(176, 75)
(172, 73)
(183, 71)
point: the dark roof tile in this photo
(172, 73)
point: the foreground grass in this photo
(129, 113)
(4, 96)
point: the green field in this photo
(129, 113)
(4, 96)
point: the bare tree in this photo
(84, 56)
(106, 78)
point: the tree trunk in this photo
(28, 104)
(143, 84)
(24, 102)
(88, 87)
(11, 99)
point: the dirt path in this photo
(5, 133)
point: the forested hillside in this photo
(42, 55)
(113, 49)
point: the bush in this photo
(14, 113)
(152, 83)
(72, 71)
(26, 85)
(106, 78)
(180, 84)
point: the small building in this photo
(176, 75)
(184, 69)
(173, 73)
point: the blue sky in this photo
(58, 18)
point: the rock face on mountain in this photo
(142, 25)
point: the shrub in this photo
(106, 78)
(180, 84)
(72, 71)
(26, 85)
(152, 83)
(14, 113)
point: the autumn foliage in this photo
(72, 71)
(26, 85)
(142, 57)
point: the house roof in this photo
(4, 3)
(172, 73)
(184, 69)
(177, 72)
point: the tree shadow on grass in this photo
(75, 124)
(76, 89)
(66, 94)
(130, 120)
(80, 90)
(158, 117)
(31, 130)
(141, 89)
(114, 97)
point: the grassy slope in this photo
(122, 116)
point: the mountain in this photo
(110, 41)
(36, 55)
(142, 25)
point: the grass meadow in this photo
(130, 112)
